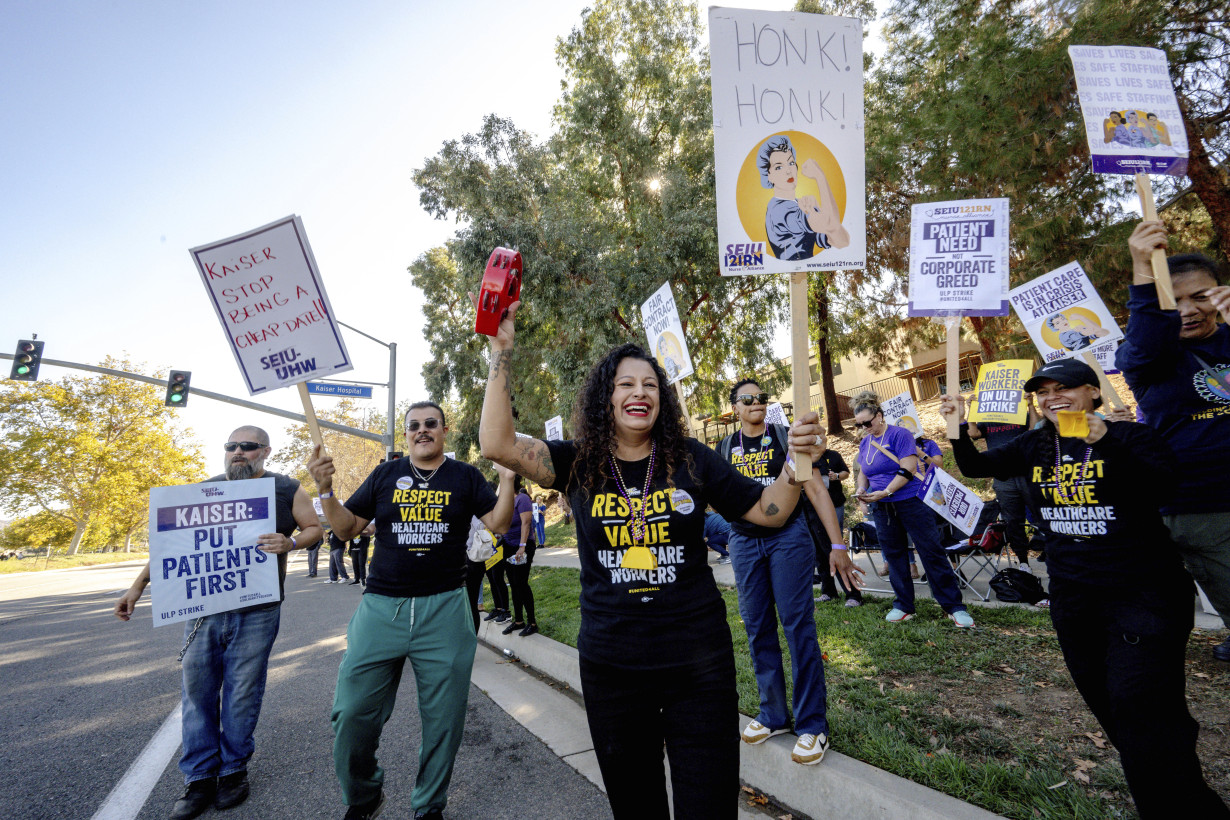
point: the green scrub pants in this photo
(436, 634)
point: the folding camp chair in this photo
(980, 552)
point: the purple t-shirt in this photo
(880, 469)
(931, 449)
(521, 504)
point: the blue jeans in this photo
(894, 520)
(224, 683)
(774, 579)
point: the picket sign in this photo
(310, 413)
(1108, 389)
(1161, 271)
(800, 358)
(952, 375)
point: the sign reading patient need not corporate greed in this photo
(1132, 119)
(952, 500)
(959, 258)
(665, 334)
(1000, 392)
(788, 141)
(269, 297)
(203, 557)
(900, 410)
(1064, 315)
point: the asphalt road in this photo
(84, 693)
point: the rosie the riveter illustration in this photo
(797, 225)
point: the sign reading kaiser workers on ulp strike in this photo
(271, 301)
(1063, 314)
(202, 548)
(788, 141)
(959, 258)
(1000, 392)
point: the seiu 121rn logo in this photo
(943, 211)
(747, 253)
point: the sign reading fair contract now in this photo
(268, 294)
(203, 557)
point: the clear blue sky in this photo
(136, 130)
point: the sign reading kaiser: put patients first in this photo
(959, 258)
(269, 296)
(202, 548)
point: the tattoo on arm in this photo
(771, 510)
(501, 365)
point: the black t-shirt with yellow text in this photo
(669, 616)
(421, 527)
(760, 458)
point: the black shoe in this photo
(430, 814)
(366, 811)
(352, 583)
(233, 789)
(529, 630)
(512, 627)
(1222, 651)
(502, 616)
(310, 575)
(196, 798)
(492, 615)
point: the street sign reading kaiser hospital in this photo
(271, 301)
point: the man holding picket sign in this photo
(226, 656)
(414, 607)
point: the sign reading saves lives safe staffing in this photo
(268, 294)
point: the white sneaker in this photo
(810, 749)
(962, 619)
(757, 733)
(896, 616)
(1025, 568)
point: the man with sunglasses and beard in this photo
(227, 654)
(773, 571)
(414, 607)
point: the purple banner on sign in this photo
(212, 514)
(1118, 164)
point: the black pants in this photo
(474, 586)
(694, 710)
(337, 564)
(519, 580)
(313, 556)
(830, 583)
(1125, 651)
(1013, 497)
(499, 589)
(358, 563)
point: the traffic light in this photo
(26, 359)
(177, 388)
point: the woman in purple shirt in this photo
(519, 549)
(888, 494)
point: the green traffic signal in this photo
(26, 359)
(177, 388)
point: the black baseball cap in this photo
(1068, 372)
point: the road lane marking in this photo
(134, 788)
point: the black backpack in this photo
(1014, 586)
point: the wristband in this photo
(326, 494)
(521, 546)
(840, 547)
(293, 543)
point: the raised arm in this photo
(343, 522)
(501, 514)
(497, 438)
(780, 498)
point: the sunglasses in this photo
(866, 425)
(246, 446)
(429, 424)
(752, 398)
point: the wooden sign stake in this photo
(952, 375)
(310, 412)
(1161, 271)
(800, 361)
(683, 405)
(1108, 390)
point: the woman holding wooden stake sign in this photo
(657, 663)
(1120, 599)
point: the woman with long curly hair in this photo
(657, 664)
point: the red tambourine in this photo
(501, 287)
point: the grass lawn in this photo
(988, 715)
(88, 559)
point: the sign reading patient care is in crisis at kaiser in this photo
(271, 301)
(203, 555)
(788, 141)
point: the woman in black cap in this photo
(1121, 601)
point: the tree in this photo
(619, 200)
(86, 449)
(353, 457)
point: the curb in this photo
(839, 787)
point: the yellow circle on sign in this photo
(1072, 318)
(752, 198)
(669, 353)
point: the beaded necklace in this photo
(869, 457)
(640, 527)
(1060, 492)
